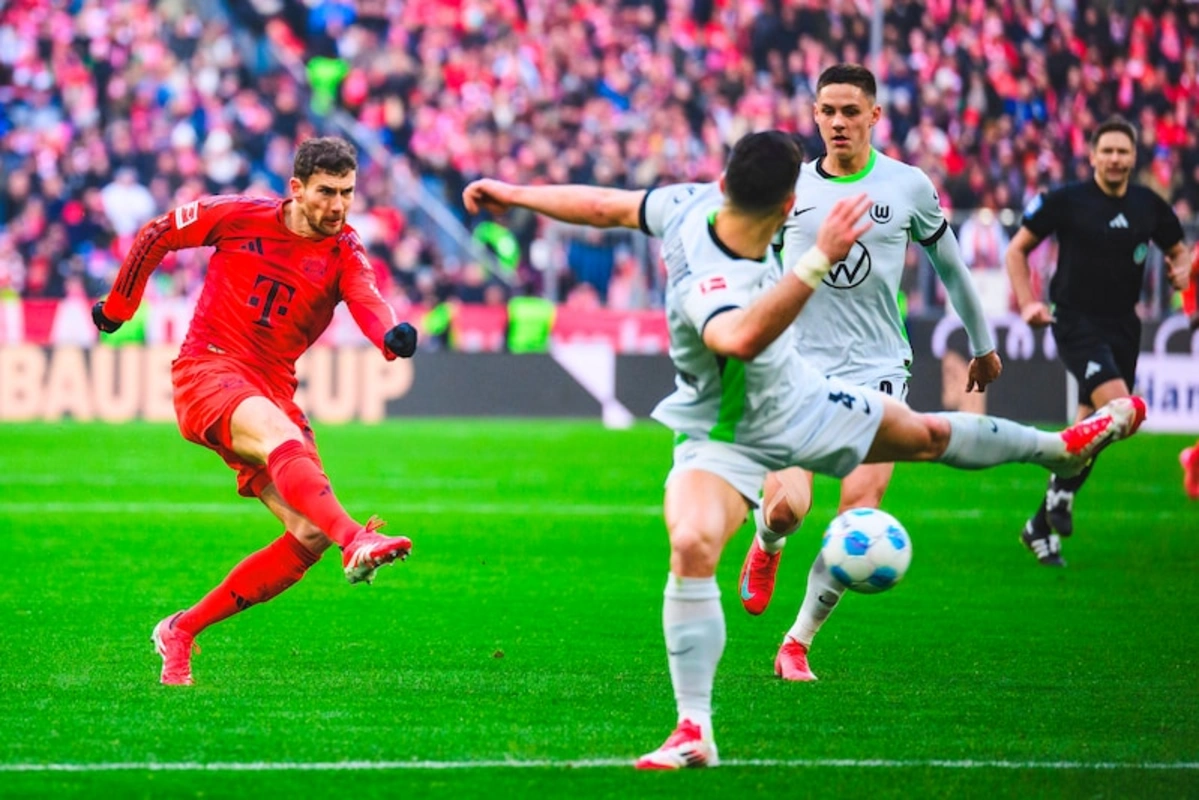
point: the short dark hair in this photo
(329, 154)
(762, 171)
(853, 74)
(1114, 124)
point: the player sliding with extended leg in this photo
(280, 268)
(747, 403)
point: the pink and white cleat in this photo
(175, 647)
(368, 551)
(791, 664)
(1085, 439)
(1189, 458)
(757, 577)
(684, 749)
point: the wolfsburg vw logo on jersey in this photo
(852, 271)
(880, 213)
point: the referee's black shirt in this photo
(1103, 243)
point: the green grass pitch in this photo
(520, 650)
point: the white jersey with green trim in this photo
(720, 398)
(851, 326)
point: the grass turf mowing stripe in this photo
(496, 509)
(493, 509)
(356, 766)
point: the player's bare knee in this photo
(279, 431)
(691, 547)
(920, 437)
(936, 436)
(787, 499)
(780, 517)
(258, 427)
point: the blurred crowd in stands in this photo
(112, 111)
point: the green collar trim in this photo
(857, 176)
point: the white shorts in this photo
(831, 437)
(888, 381)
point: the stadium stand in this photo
(113, 110)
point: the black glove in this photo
(102, 322)
(401, 340)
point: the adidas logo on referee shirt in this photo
(1118, 222)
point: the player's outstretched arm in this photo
(374, 316)
(946, 256)
(743, 333)
(597, 206)
(1032, 309)
(179, 229)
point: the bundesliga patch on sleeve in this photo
(186, 215)
(714, 284)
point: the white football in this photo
(866, 550)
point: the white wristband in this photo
(812, 266)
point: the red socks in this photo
(298, 477)
(263, 575)
(258, 578)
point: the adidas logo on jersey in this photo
(1118, 222)
(1092, 368)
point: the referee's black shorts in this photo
(1097, 349)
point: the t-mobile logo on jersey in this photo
(267, 295)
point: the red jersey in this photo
(269, 293)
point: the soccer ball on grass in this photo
(866, 550)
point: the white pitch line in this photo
(362, 766)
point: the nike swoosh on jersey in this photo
(799, 211)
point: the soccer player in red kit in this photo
(280, 268)
(1189, 457)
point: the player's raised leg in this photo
(263, 433)
(702, 511)
(786, 500)
(975, 441)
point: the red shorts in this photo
(208, 389)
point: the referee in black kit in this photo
(1103, 227)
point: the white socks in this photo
(693, 622)
(819, 600)
(976, 441)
